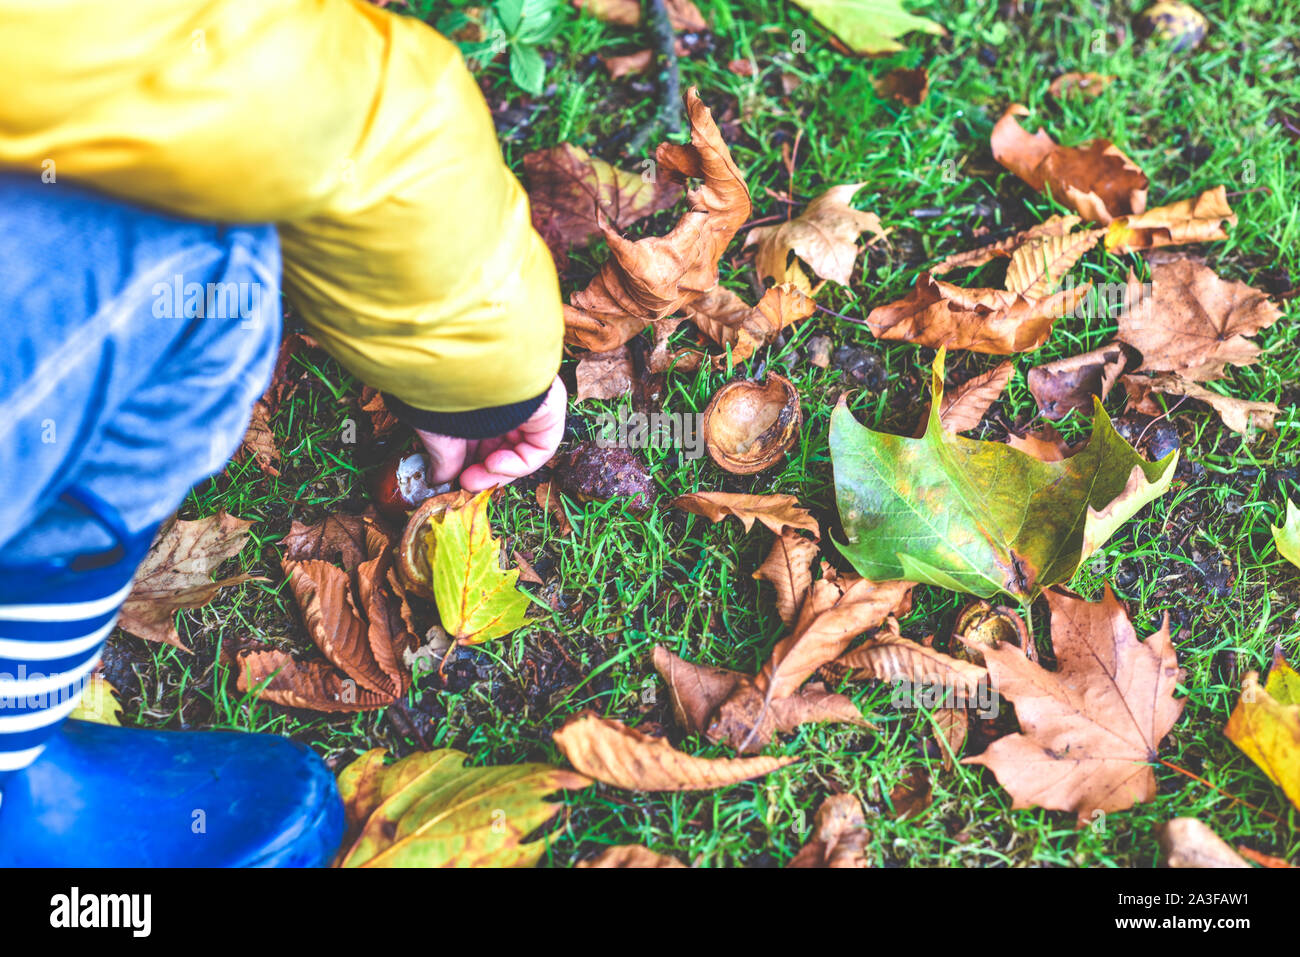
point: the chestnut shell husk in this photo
(749, 426)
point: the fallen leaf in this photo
(684, 15)
(526, 571)
(1038, 265)
(887, 656)
(981, 517)
(777, 512)
(624, 757)
(1287, 536)
(911, 795)
(963, 408)
(938, 314)
(726, 319)
(1096, 180)
(649, 280)
(428, 810)
(568, 188)
(742, 67)
(840, 836)
(277, 677)
(382, 422)
(950, 727)
(1240, 415)
(549, 498)
(1003, 248)
(1045, 444)
(788, 569)
(604, 375)
(1070, 385)
(1196, 220)
(1186, 842)
(1265, 724)
(630, 855)
(177, 573)
(337, 537)
(477, 599)
(825, 236)
(259, 440)
(1192, 322)
(98, 703)
(1090, 730)
(869, 26)
(1079, 84)
(628, 64)
(908, 86)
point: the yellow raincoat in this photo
(407, 245)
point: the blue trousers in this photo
(133, 346)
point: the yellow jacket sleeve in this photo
(408, 249)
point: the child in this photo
(140, 325)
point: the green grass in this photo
(624, 582)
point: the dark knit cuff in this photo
(472, 424)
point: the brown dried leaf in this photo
(624, 757)
(1242, 416)
(259, 439)
(951, 726)
(684, 15)
(334, 623)
(1096, 180)
(908, 86)
(1186, 842)
(1069, 385)
(337, 537)
(1192, 322)
(937, 314)
(888, 656)
(911, 795)
(1079, 84)
(629, 64)
(727, 320)
(1196, 220)
(825, 236)
(1055, 226)
(1045, 444)
(177, 573)
(840, 836)
(1037, 266)
(788, 568)
(604, 375)
(630, 855)
(962, 408)
(777, 512)
(549, 498)
(303, 684)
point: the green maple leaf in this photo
(868, 26)
(427, 810)
(1287, 536)
(982, 517)
(477, 599)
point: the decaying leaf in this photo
(1197, 220)
(604, 375)
(1090, 730)
(567, 187)
(726, 319)
(1045, 444)
(869, 26)
(259, 440)
(1241, 415)
(1038, 265)
(428, 810)
(1192, 322)
(684, 15)
(887, 656)
(937, 314)
(548, 497)
(337, 537)
(1287, 536)
(840, 836)
(1266, 725)
(98, 703)
(1070, 385)
(315, 685)
(1054, 226)
(177, 573)
(1079, 84)
(788, 569)
(630, 856)
(981, 517)
(964, 407)
(950, 727)
(912, 794)
(777, 512)
(1096, 180)
(654, 278)
(1186, 842)
(613, 753)
(630, 63)
(825, 236)
(906, 86)
(477, 599)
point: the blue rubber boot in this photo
(104, 796)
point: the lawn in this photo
(1227, 112)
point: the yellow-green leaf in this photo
(981, 517)
(1287, 537)
(428, 810)
(477, 599)
(1266, 725)
(868, 26)
(98, 702)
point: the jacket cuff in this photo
(473, 424)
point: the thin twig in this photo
(840, 315)
(1215, 787)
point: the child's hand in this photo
(483, 463)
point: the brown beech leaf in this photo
(1045, 444)
(1003, 248)
(727, 320)
(840, 836)
(624, 757)
(567, 187)
(1192, 322)
(1096, 180)
(548, 497)
(1242, 416)
(628, 64)
(1197, 220)
(962, 408)
(1039, 264)
(177, 573)
(653, 278)
(938, 314)
(912, 794)
(1069, 385)
(1079, 84)
(337, 537)
(1091, 729)
(825, 236)
(887, 656)
(630, 855)
(1187, 842)
(313, 685)
(777, 512)
(907, 86)
(604, 375)
(788, 568)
